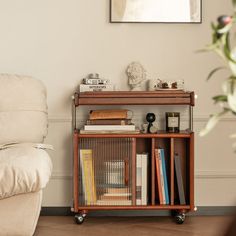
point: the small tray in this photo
(168, 89)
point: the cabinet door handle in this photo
(126, 172)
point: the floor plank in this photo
(132, 226)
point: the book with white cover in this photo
(110, 127)
(109, 131)
(96, 88)
(138, 179)
(144, 179)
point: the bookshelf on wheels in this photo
(133, 171)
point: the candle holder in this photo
(172, 122)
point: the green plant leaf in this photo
(214, 71)
(225, 29)
(220, 98)
(227, 51)
(234, 4)
(213, 26)
(213, 120)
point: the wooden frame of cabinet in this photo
(182, 141)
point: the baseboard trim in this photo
(201, 211)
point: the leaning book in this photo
(88, 178)
(179, 177)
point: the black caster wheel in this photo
(180, 218)
(79, 219)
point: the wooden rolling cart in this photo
(182, 143)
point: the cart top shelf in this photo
(135, 98)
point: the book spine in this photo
(165, 176)
(162, 177)
(110, 114)
(109, 122)
(138, 179)
(84, 195)
(179, 180)
(110, 127)
(88, 176)
(95, 88)
(158, 175)
(109, 131)
(144, 179)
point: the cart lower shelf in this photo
(156, 207)
(179, 211)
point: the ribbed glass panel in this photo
(105, 171)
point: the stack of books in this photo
(116, 196)
(161, 175)
(109, 121)
(115, 190)
(93, 83)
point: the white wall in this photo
(61, 41)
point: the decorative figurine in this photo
(136, 75)
(166, 84)
(144, 128)
(150, 117)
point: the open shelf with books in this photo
(133, 171)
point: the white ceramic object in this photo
(136, 75)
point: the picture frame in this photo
(144, 11)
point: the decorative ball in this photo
(150, 117)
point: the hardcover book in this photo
(88, 178)
(109, 131)
(179, 178)
(144, 178)
(165, 176)
(110, 114)
(158, 176)
(95, 88)
(110, 127)
(138, 179)
(162, 177)
(109, 122)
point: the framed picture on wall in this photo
(155, 11)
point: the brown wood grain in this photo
(133, 171)
(145, 142)
(135, 98)
(172, 172)
(156, 207)
(160, 134)
(191, 172)
(76, 172)
(133, 101)
(153, 190)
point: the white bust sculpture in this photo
(136, 75)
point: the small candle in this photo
(172, 122)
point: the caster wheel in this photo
(79, 219)
(180, 218)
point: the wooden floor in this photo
(132, 226)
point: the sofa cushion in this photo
(23, 170)
(23, 109)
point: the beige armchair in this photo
(23, 120)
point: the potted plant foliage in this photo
(221, 44)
